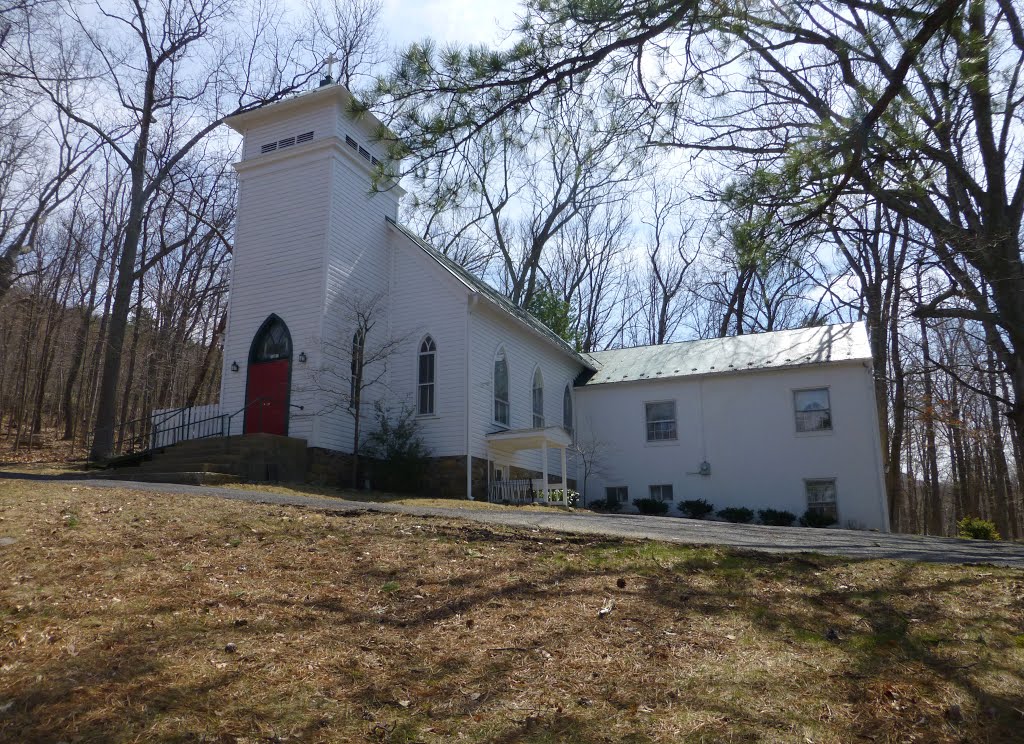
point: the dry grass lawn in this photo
(129, 616)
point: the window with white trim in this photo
(427, 364)
(567, 409)
(821, 497)
(813, 410)
(662, 492)
(538, 399)
(661, 421)
(501, 407)
(617, 493)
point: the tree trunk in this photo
(934, 518)
(106, 407)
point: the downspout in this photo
(470, 304)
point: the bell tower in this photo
(310, 233)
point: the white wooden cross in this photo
(331, 59)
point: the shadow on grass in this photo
(126, 683)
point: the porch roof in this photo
(520, 439)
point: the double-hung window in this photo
(662, 492)
(821, 497)
(661, 421)
(813, 410)
(617, 493)
(427, 366)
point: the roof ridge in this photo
(490, 293)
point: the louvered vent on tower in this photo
(365, 153)
(286, 142)
(351, 142)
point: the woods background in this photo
(633, 173)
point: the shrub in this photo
(570, 498)
(651, 506)
(776, 517)
(609, 505)
(816, 519)
(695, 508)
(975, 528)
(397, 445)
(737, 514)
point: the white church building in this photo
(782, 420)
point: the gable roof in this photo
(845, 342)
(493, 296)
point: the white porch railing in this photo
(526, 491)
(511, 491)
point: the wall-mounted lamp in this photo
(234, 366)
(302, 357)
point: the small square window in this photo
(661, 421)
(662, 492)
(617, 493)
(821, 497)
(813, 410)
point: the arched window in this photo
(356, 378)
(272, 342)
(501, 408)
(567, 409)
(538, 399)
(425, 376)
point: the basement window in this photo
(617, 493)
(821, 497)
(662, 492)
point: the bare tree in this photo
(175, 70)
(352, 30)
(355, 364)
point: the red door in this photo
(266, 398)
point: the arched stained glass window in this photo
(501, 407)
(356, 378)
(538, 399)
(425, 376)
(272, 342)
(567, 409)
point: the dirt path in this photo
(669, 529)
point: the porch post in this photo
(544, 467)
(565, 480)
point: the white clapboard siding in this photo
(427, 299)
(524, 350)
(277, 267)
(742, 424)
(356, 272)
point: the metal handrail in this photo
(143, 432)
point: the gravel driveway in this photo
(669, 529)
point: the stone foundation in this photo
(445, 477)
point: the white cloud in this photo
(462, 21)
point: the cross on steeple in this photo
(331, 59)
